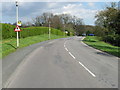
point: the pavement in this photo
(60, 63)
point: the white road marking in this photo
(66, 49)
(72, 55)
(79, 62)
(64, 46)
(82, 38)
(84, 44)
(87, 70)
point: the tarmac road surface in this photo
(61, 63)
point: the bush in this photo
(8, 31)
(112, 39)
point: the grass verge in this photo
(95, 42)
(9, 45)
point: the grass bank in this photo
(96, 42)
(9, 45)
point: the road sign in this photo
(19, 23)
(17, 29)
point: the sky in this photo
(29, 10)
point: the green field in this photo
(9, 45)
(96, 42)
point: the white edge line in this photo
(87, 70)
(72, 55)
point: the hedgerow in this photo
(8, 31)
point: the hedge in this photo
(8, 31)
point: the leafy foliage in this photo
(8, 31)
(109, 20)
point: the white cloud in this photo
(53, 4)
(77, 10)
(69, 6)
(91, 4)
(30, 10)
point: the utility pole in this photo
(17, 22)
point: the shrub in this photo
(8, 31)
(112, 39)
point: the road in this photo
(63, 63)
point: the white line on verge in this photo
(71, 55)
(87, 69)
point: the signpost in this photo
(19, 23)
(17, 29)
(49, 26)
(49, 30)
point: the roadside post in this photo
(18, 23)
(49, 30)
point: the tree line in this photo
(108, 24)
(63, 22)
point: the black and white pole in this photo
(17, 22)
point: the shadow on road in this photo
(104, 54)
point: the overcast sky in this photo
(29, 10)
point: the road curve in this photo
(65, 63)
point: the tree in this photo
(61, 21)
(108, 18)
(109, 21)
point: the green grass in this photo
(96, 42)
(9, 45)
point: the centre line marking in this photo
(72, 55)
(66, 49)
(64, 46)
(87, 69)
